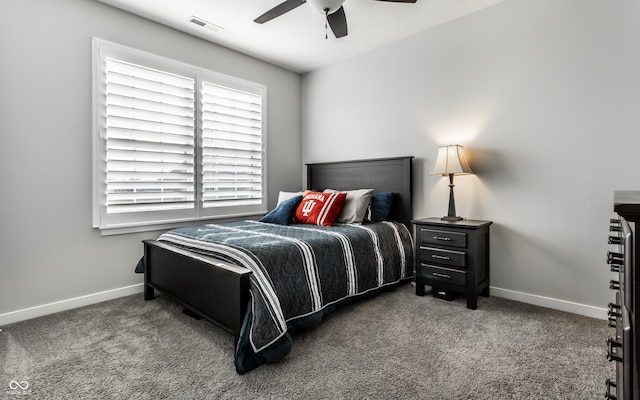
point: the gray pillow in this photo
(355, 207)
(282, 196)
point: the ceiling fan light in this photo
(321, 5)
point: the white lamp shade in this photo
(451, 160)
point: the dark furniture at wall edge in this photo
(453, 257)
(623, 257)
(219, 291)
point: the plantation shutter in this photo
(173, 143)
(232, 147)
(150, 139)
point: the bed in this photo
(218, 272)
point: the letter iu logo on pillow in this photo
(320, 208)
(308, 207)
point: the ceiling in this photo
(296, 40)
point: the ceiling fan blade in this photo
(338, 22)
(278, 10)
(399, 1)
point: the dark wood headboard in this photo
(381, 175)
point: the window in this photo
(173, 142)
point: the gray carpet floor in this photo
(394, 346)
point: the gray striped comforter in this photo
(300, 270)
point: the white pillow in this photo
(355, 207)
(282, 196)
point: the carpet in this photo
(394, 346)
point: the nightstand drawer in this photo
(442, 256)
(442, 274)
(446, 238)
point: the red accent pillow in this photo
(320, 208)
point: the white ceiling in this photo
(296, 40)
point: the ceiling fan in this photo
(332, 10)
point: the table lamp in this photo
(451, 161)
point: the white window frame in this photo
(110, 223)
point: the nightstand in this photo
(453, 256)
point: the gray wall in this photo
(544, 96)
(49, 252)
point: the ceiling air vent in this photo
(205, 24)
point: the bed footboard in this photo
(216, 290)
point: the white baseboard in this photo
(63, 305)
(548, 302)
(45, 309)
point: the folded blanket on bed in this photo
(299, 272)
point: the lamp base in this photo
(451, 213)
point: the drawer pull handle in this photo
(440, 257)
(446, 239)
(608, 395)
(611, 354)
(441, 275)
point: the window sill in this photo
(166, 225)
